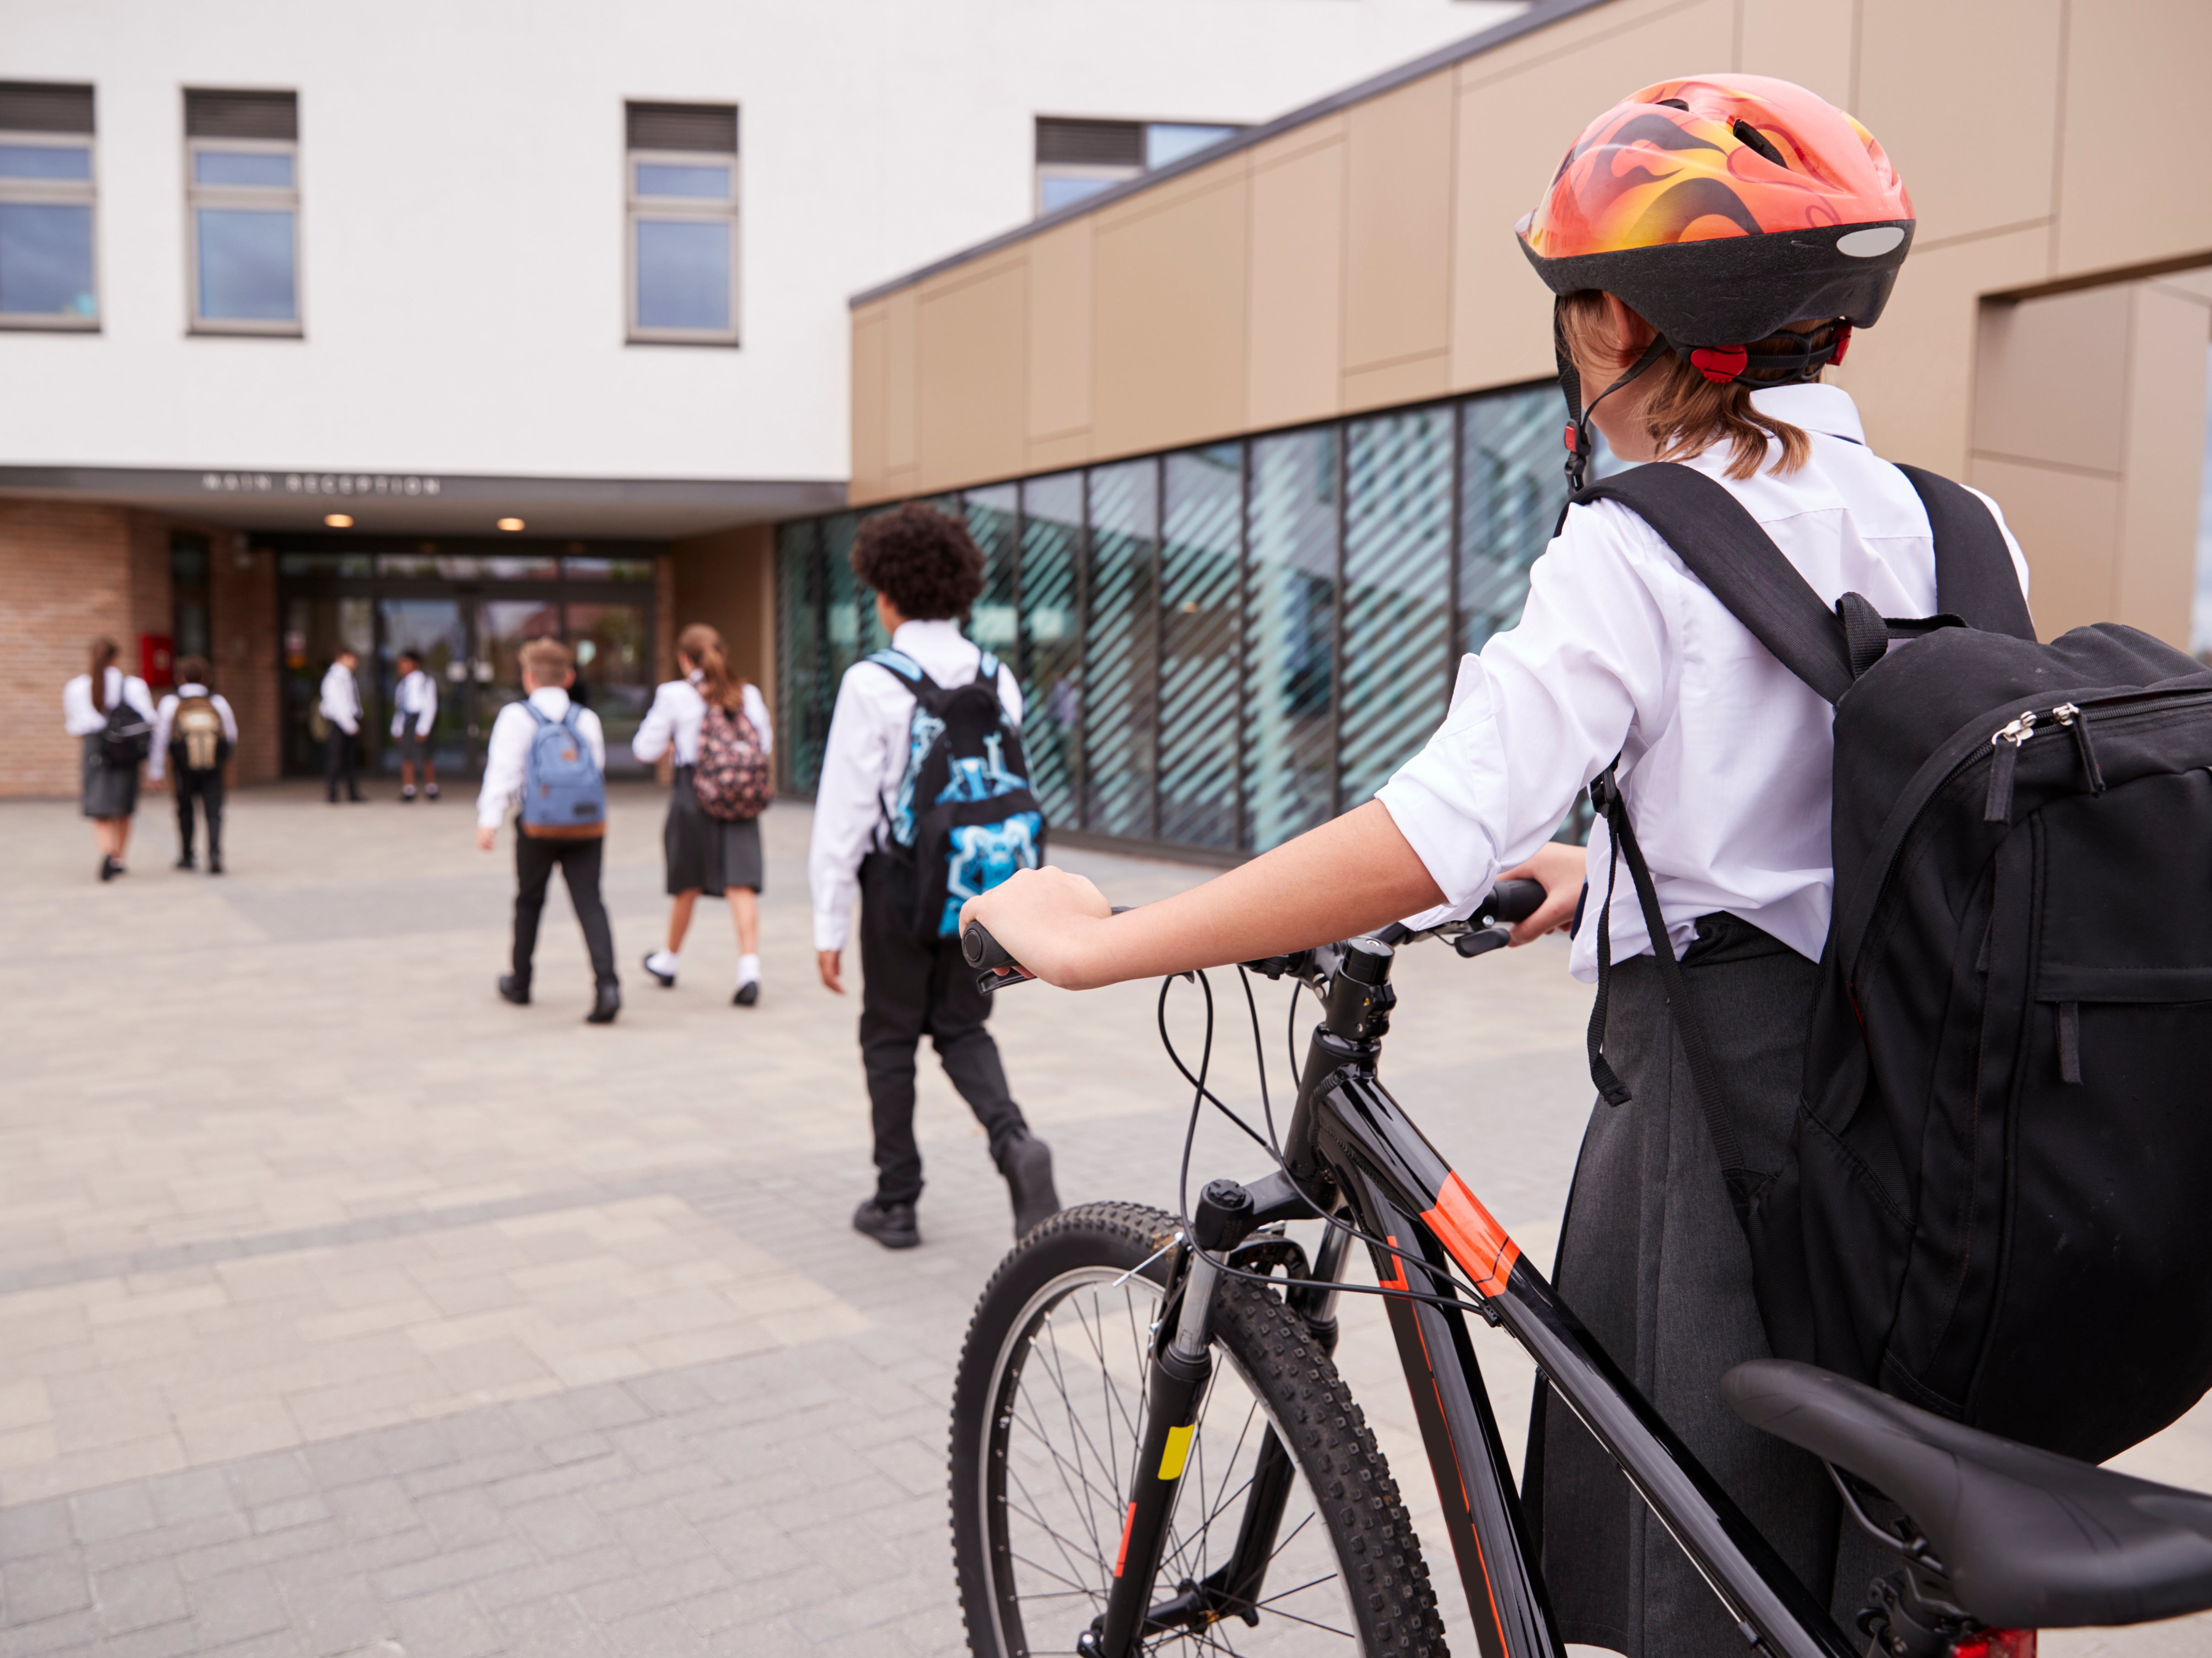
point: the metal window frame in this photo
(250, 198)
(57, 192)
(1107, 174)
(637, 207)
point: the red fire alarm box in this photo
(155, 659)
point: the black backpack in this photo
(127, 738)
(965, 818)
(1994, 1207)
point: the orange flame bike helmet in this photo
(1721, 209)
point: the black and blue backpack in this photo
(965, 818)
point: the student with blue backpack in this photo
(923, 802)
(548, 758)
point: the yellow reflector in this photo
(1177, 1452)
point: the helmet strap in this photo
(1579, 437)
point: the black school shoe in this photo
(109, 869)
(214, 864)
(1027, 1166)
(185, 862)
(605, 1003)
(666, 981)
(514, 990)
(891, 1224)
(748, 994)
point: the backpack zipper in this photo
(2077, 721)
(2004, 760)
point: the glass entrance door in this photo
(498, 629)
(436, 631)
(614, 673)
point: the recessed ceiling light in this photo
(337, 520)
(510, 523)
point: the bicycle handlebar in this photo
(1506, 903)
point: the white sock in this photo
(666, 962)
(748, 969)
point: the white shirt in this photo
(1725, 754)
(507, 752)
(81, 719)
(415, 694)
(864, 760)
(166, 716)
(675, 716)
(341, 699)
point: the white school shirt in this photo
(165, 717)
(506, 752)
(415, 694)
(675, 716)
(864, 760)
(1725, 755)
(81, 719)
(341, 699)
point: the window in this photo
(47, 273)
(681, 179)
(242, 191)
(1076, 159)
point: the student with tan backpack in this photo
(194, 732)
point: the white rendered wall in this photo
(461, 183)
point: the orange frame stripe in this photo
(1472, 1236)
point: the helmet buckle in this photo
(1720, 363)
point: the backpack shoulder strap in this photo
(1974, 576)
(1723, 547)
(537, 713)
(909, 673)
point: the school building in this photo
(446, 325)
(1258, 443)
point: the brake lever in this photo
(995, 969)
(1482, 940)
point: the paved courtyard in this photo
(345, 1309)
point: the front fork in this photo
(1182, 1366)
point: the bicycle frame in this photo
(1351, 1147)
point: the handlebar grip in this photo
(1512, 901)
(981, 950)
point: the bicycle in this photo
(1189, 1470)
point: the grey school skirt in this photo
(1653, 1261)
(707, 854)
(109, 791)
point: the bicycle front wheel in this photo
(1048, 1411)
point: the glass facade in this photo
(1219, 648)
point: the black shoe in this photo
(1028, 1169)
(891, 1224)
(748, 994)
(406, 797)
(109, 869)
(185, 862)
(356, 799)
(514, 990)
(666, 981)
(604, 1005)
(215, 864)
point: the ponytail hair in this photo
(102, 657)
(702, 647)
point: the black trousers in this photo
(578, 862)
(913, 988)
(206, 787)
(337, 764)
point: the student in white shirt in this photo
(340, 707)
(925, 570)
(1725, 759)
(195, 748)
(414, 713)
(109, 791)
(720, 856)
(548, 669)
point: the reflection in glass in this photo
(804, 695)
(1290, 616)
(1199, 659)
(608, 570)
(614, 674)
(245, 265)
(45, 161)
(504, 626)
(1397, 594)
(1170, 141)
(1051, 646)
(1058, 190)
(664, 178)
(1120, 656)
(1510, 490)
(990, 515)
(252, 168)
(432, 629)
(684, 274)
(45, 259)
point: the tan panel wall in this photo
(1171, 286)
(728, 581)
(2160, 498)
(973, 381)
(1397, 228)
(2132, 183)
(901, 389)
(1060, 313)
(1294, 371)
(1807, 41)
(870, 344)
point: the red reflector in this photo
(1843, 344)
(1996, 1644)
(1719, 364)
(1571, 437)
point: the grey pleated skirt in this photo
(108, 790)
(707, 854)
(1654, 1262)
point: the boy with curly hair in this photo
(925, 571)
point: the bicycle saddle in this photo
(2027, 1539)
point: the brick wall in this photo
(65, 577)
(242, 628)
